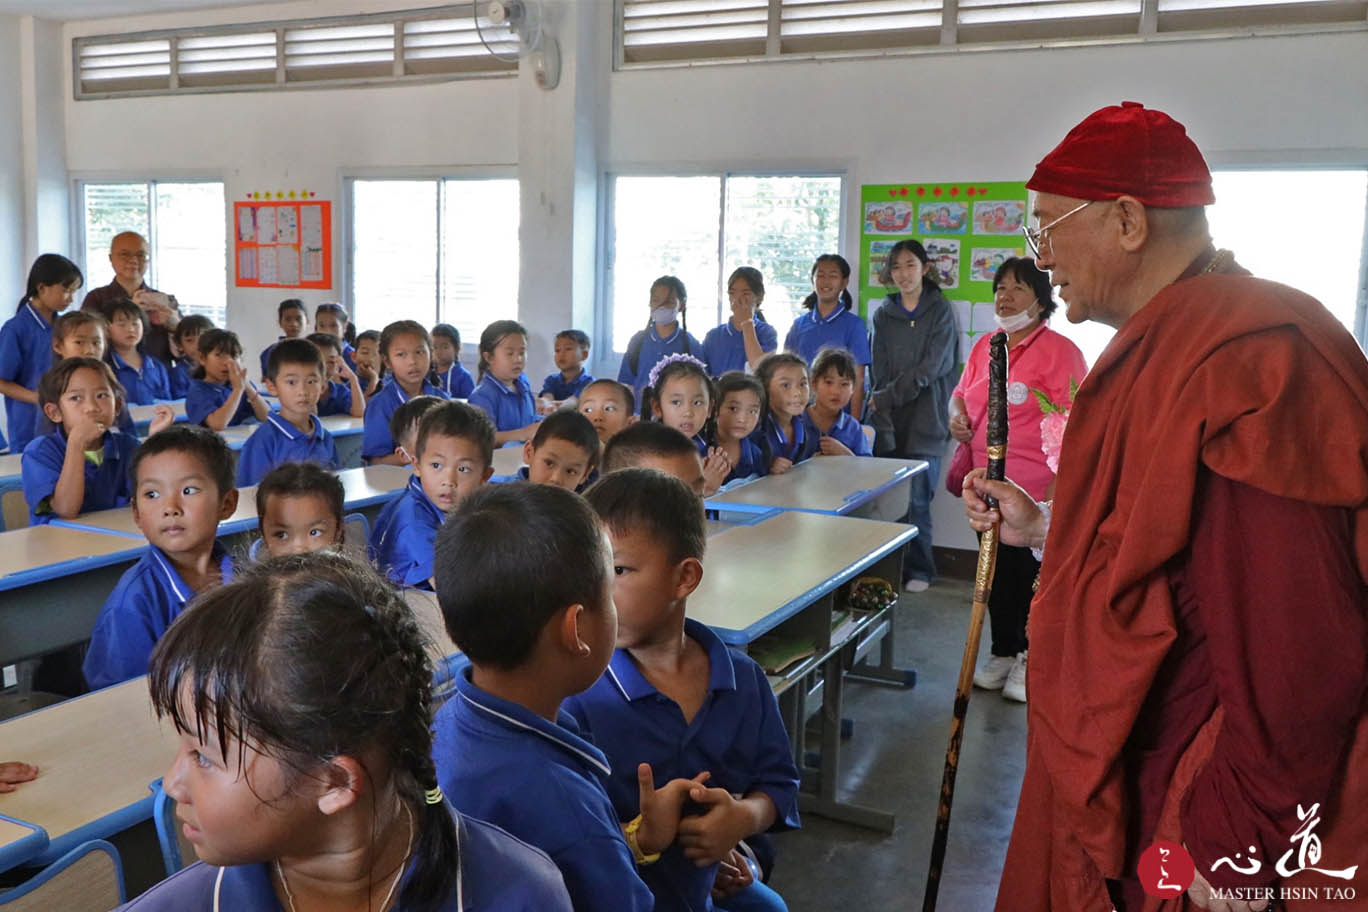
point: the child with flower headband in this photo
(681, 396)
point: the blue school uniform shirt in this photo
(106, 485)
(737, 735)
(650, 348)
(557, 388)
(266, 354)
(376, 442)
(846, 430)
(204, 398)
(148, 597)
(178, 378)
(752, 459)
(143, 386)
(403, 537)
(812, 332)
(770, 440)
(455, 381)
(336, 400)
(498, 873)
(25, 355)
(542, 782)
(523, 474)
(276, 441)
(724, 348)
(510, 409)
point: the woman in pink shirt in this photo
(1038, 358)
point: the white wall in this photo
(13, 269)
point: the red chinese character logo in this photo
(1166, 870)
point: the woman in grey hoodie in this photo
(914, 342)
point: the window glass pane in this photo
(107, 210)
(394, 252)
(188, 248)
(780, 225)
(479, 254)
(663, 226)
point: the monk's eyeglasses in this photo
(1038, 239)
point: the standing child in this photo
(570, 379)
(667, 333)
(609, 405)
(304, 775)
(222, 396)
(185, 346)
(293, 433)
(406, 349)
(299, 509)
(831, 321)
(746, 337)
(834, 374)
(740, 403)
(83, 464)
(332, 319)
(142, 376)
(782, 436)
(293, 319)
(564, 452)
(447, 372)
(26, 342)
(453, 456)
(182, 489)
(342, 393)
(366, 362)
(677, 698)
(503, 391)
(681, 396)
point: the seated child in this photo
(677, 698)
(680, 393)
(182, 489)
(740, 403)
(833, 385)
(366, 362)
(447, 373)
(571, 351)
(222, 396)
(286, 753)
(651, 445)
(342, 394)
(609, 405)
(453, 456)
(563, 452)
(503, 391)
(83, 464)
(525, 583)
(185, 343)
(332, 319)
(404, 424)
(299, 509)
(142, 376)
(293, 433)
(782, 435)
(81, 334)
(293, 319)
(405, 349)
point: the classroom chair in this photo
(356, 526)
(89, 878)
(176, 850)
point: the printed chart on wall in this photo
(968, 230)
(283, 244)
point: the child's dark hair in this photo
(369, 335)
(325, 340)
(649, 501)
(337, 310)
(676, 287)
(124, 307)
(196, 440)
(51, 269)
(293, 351)
(73, 320)
(577, 336)
(764, 371)
(194, 324)
(402, 328)
(810, 302)
(913, 246)
(645, 438)
(495, 333)
(300, 479)
(216, 342)
(674, 367)
(508, 560)
(451, 334)
(839, 360)
(291, 304)
(737, 382)
(755, 281)
(620, 389)
(1025, 271)
(305, 657)
(56, 380)
(573, 428)
(457, 419)
(409, 414)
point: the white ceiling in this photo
(94, 9)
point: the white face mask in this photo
(664, 316)
(1017, 321)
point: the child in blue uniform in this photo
(746, 337)
(366, 361)
(453, 456)
(406, 349)
(782, 436)
(833, 384)
(286, 752)
(186, 348)
(609, 405)
(447, 372)
(182, 489)
(570, 378)
(831, 322)
(81, 334)
(652, 445)
(26, 342)
(667, 333)
(342, 393)
(677, 698)
(142, 376)
(405, 421)
(332, 319)
(681, 397)
(299, 509)
(564, 452)
(740, 403)
(293, 433)
(524, 579)
(83, 464)
(293, 320)
(222, 396)
(503, 391)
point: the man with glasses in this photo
(1199, 645)
(128, 254)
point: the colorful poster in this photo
(943, 218)
(986, 260)
(887, 218)
(878, 255)
(944, 254)
(999, 217)
(283, 244)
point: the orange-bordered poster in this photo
(283, 244)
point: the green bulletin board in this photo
(967, 230)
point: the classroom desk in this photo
(96, 755)
(843, 485)
(19, 842)
(142, 414)
(508, 459)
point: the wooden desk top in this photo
(756, 576)
(507, 460)
(29, 554)
(10, 466)
(823, 484)
(142, 414)
(19, 842)
(343, 425)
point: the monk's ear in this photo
(1133, 224)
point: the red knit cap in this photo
(1130, 150)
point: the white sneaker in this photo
(993, 675)
(916, 585)
(1015, 688)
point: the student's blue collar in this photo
(289, 430)
(118, 360)
(500, 385)
(249, 886)
(33, 311)
(415, 486)
(679, 328)
(835, 314)
(179, 587)
(775, 434)
(632, 684)
(733, 331)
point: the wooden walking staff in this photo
(983, 587)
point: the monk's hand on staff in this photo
(1022, 521)
(1202, 897)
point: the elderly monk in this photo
(128, 254)
(1198, 640)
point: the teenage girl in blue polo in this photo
(666, 334)
(831, 322)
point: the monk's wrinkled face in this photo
(1080, 254)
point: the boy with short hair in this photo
(676, 697)
(182, 489)
(453, 456)
(563, 452)
(185, 346)
(293, 433)
(571, 350)
(342, 394)
(299, 509)
(532, 609)
(405, 421)
(652, 445)
(292, 319)
(609, 405)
